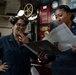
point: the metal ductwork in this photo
(12, 7)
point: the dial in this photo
(54, 4)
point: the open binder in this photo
(42, 46)
(58, 40)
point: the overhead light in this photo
(32, 17)
(20, 13)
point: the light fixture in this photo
(32, 17)
(20, 13)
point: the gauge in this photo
(54, 4)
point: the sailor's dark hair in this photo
(13, 20)
(67, 9)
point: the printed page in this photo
(61, 37)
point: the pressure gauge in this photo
(54, 4)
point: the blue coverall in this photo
(65, 62)
(16, 56)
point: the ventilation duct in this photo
(12, 7)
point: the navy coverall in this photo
(16, 56)
(65, 63)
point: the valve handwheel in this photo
(28, 9)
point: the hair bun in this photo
(13, 20)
